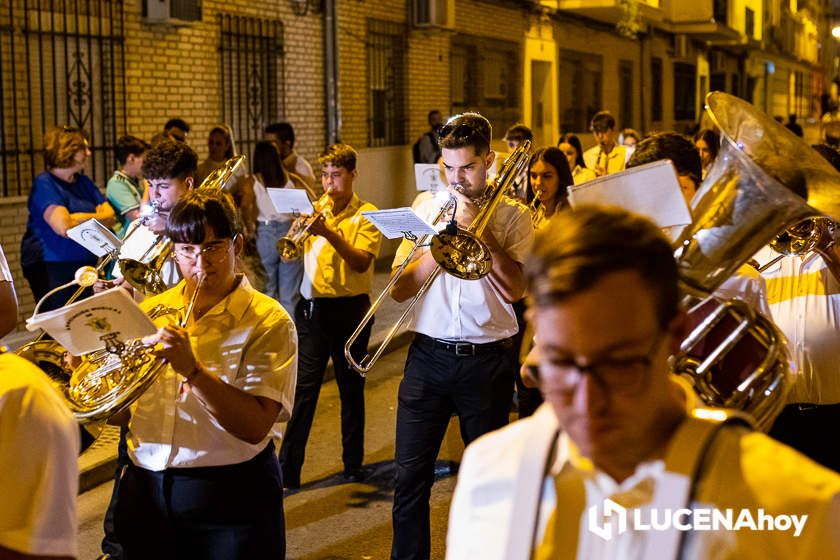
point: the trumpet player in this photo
(463, 358)
(338, 272)
(203, 480)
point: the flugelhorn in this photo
(457, 251)
(290, 247)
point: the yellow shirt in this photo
(326, 274)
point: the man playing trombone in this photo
(338, 272)
(462, 359)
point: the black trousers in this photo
(59, 273)
(438, 382)
(229, 512)
(323, 327)
(528, 398)
(806, 427)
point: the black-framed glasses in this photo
(616, 376)
(214, 251)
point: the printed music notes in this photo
(397, 222)
(94, 237)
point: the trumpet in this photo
(802, 238)
(290, 247)
(537, 210)
(459, 252)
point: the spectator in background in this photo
(425, 149)
(569, 144)
(282, 135)
(708, 143)
(220, 148)
(62, 197)
(175, 129)
(629, 139)
(794, 126)
(124, 190)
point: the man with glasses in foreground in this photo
(204, 480)
(462, 359)
(616, 424)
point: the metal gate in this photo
(251, 52)
(61, 63)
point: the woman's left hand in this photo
(175, 348)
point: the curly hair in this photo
(61, 144)
(339, 155)
(170, 160)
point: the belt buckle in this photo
(464, 349)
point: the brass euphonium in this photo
(764, 180)
(290, 247)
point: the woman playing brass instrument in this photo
(548, 177)
(203, 478)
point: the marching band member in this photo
(39, 440)
(615, 425)
(606, 156)
(462, 359)
(204, 481)
(338, 272)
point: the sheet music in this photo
(94, 237)
(84, 326)
(651, 190)
(396, 222)
(290, 201)
(427, 177)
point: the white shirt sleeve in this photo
(5, 272)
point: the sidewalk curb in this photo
(103, 471)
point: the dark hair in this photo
(431, 114)
(196, 210)
(519, 133)
(129, 145)
(283, 131)
(268, 164)
(170, 159)
(61, 143)
(176, 123)
(574, 141)
(576, 249)
(339, 155)
(557, 159)
(602, 121)
(673, 146)
(466, 129)
(711, 138)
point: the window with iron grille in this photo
(490, 71)
(386, 49)
(580, 89)
(685, 91)
(251, 53)
(61, 63)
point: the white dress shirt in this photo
(5, 272)
(471, 310)
(804, 300)
(247, 340)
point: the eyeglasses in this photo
(215, 251)
(616, 376)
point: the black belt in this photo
(463, 348)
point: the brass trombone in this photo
(457, 251)
(290, 247)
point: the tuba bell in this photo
(734, 356)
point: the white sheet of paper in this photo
(396, 222)
(651, 190)
(94, 237)
(83, 326)
(427, 177)
(290, 201)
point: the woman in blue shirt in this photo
(63, 197)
